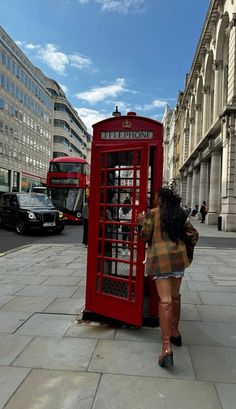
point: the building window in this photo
(1, 103)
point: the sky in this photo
(133, 54)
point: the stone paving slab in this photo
(92, 330)
(48, 271)
(11, 346)
(10, 289)
(66, 305)
(189, 312)
(190, 297)
(79, 293)
(46, 325)
(134, 392)
(208, 333)
(209, 287)
(195, 276)
(138, 358)
(213, 363)
(10, 321)
(217, 313)
(65, 281)
(57, 353)
(47, 389)
(28, 304)
(48, 291)
(4, 299)
(227, 395)
(21, 279)
(10, 379)
(217, 298)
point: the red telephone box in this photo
(126, 171)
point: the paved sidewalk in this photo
(50, 361)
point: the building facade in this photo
(25, 120)
(205, 128)
(168, 122)
(70, 136)
(37, 122)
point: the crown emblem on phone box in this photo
(126, 124)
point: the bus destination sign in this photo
(127, 135)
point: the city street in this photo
(9, 239)
(73, 233)
(51, 359)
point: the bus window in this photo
(40, 189)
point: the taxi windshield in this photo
(34, 200)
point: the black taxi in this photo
(25, 211)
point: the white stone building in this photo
(206, 120)
(168, 122)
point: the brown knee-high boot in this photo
(175, 334)
(165, 317)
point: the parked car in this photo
(30, 210)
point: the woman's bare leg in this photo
(164, 289)
(175, 286)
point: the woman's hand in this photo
(140, 218)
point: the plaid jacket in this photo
(164, 255)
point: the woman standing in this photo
(203, 211)
(85, 214)
(166, 228)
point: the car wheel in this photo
(20, 227)
(58, 230)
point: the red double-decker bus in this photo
(67, 183)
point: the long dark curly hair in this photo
(172, 216)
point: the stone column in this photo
(228, 191)
(198, 124)
(217, 66)
(232, 58)
(189, 190)
(191, 135)
(183, 189)
(203, 184)
(195, 188)
(214, 193)
(206, 109)
(186, 144)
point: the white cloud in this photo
(156, 103)
(57, 60)
(31, 46)
(79, 61)
(64, 88)
(100, 93)
(120, 6)
(91, 116)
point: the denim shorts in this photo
(175, 274)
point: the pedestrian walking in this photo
(203, 211)
(85, 213)
(168, 231)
